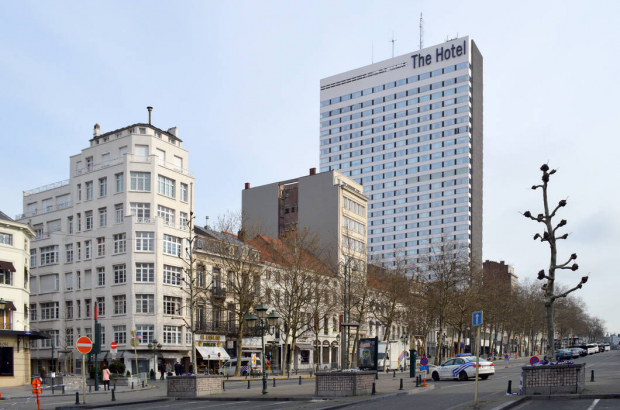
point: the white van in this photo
(592, 348)
(228, 368)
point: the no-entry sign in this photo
(113, 345)
(84, 345)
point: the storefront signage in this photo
(210, 338)
(441, 54)
(4, 344)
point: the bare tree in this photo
(549, 236)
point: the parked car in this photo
(563, 354)
(463, 368)
(228, 368)
(607, 347)
(592, 348)
(578, 351)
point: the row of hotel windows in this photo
(140, 182)
(403, 123)
(391, 97)
(144, 273)
(172, 335)
(144, 242)
(420, 188)
(414, 216)
(145, 303)
(381, 138)
(419, 198)
(390, 135)
(421, 178)
(423, 224)
(419, 251)
(408, 161)
(392, 84)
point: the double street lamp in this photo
(154, 347)
(263, 324)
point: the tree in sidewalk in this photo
(549, 236)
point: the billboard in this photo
(367, 353)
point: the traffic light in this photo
(97, 344)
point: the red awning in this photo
(7, 266)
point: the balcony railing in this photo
(147, 221)
(220, 327)
(218, 292)
(175, 168)
(96, 167)
(45, 210)
(40, 237)
(46, 187)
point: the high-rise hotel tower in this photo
(410, 130)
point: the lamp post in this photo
(404, 338)
(263, 324)
(346, 318)
(154, 347)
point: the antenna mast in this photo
(393, 40)
(421, 32)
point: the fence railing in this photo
(46, 187)
(96, 167)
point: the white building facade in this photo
(410, 130)
(114, 234)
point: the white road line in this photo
(593, 404)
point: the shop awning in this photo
(7, 266)
(10, 306)
(303, 346)
(210, 353)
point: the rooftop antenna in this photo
(421, 32)
(393, 40)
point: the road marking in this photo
(593, 404)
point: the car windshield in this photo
(473, 359)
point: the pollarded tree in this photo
(549, 236)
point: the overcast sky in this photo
(241, 82)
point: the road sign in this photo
(423, 361)
(534, 360)
(36, 383)
(37, 391)
(84, 345)
(253, 359)
(219, 354)
(113, 354)
(133, 332)
(476, 318)
(113, 345)
(506, 357)
(139, 336)
(134, 342)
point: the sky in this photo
(240, 80)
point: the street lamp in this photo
(154, 347)
(263, 324)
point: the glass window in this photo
(172, 335)
(172, 275)
(89, 190)
(147, 332)
(119, 212)
(100, 276)
(103, 186)
(120, 334)
(141, 181)
(145, 241)
(172, 245)
(120, 243)
(145, 272)
(101, 246)
(49, 255)
(184, 191)
(172, 305)
(166, 186)
(120, 182)
(103, 217)
(120, 274)
(145, 304)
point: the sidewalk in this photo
(25, 391)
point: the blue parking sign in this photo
(476, 318)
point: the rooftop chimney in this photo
(207, 225)
(97, 131)
(247, 185)
(150, 109)
(173, 131)
(312, 171)
(241, 235)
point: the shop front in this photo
(15, 356)
(211, 353)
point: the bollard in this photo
(52, 386)
(274, 382)
(373, 390)
(509, 389)
(592, 376)
(90, 388)
(63, 389)
(300, 380)
(377, 376)
(417, 381)
(113, 396)
(401, 384)
(131, 385)
(77, 398)
(394, 374)
(223, 385)
(288, 374)
(143, 384)
(248, 384)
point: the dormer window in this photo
(158, 134)
(132, 130)
(142, 130)
(118, 135)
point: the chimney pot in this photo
(247, 185)
(241, 235)
(312, 171)
(97, 130)
(150, 109)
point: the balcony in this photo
(45, 210)
(218, 292)
(219, 327)
(46, 187)
(96, 167)
(40, 237)
(145, 221)
(175, 168)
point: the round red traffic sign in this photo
(424, 361)
(219, 354)
(534, 360)
(113, 345)
(84, 345)
(36, 383)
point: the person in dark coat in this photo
(191, 368)
(177, 368)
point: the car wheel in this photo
(484, 377)
(436, 376)
(463, 376)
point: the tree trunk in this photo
(239, 350)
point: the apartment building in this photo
(113, 235)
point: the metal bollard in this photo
(300, 380)
(509, 389)
(131, 385)
(417, 381)
(373, 390)
(223, 385)
(592, 376)
(90, 387)
(394, 374)
(77, 398)
(63, 389)
(401, 384)
(274, 382)
(52, 386)
(113, 396)
(377, 376)
(248, 384)
(143, 384)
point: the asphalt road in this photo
(571, 404)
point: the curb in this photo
(521, 400)
(365, 401)
(238, 398)
(124, 403)
(511, 404)
(79, 391)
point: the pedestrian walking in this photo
(106, 377)
(162, 369)
(43, 375)
(191, 368)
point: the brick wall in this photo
(556, 379)
(340, 384)
(194, 386)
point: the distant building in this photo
(329, 204)
(501, 272)
(15, 332)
